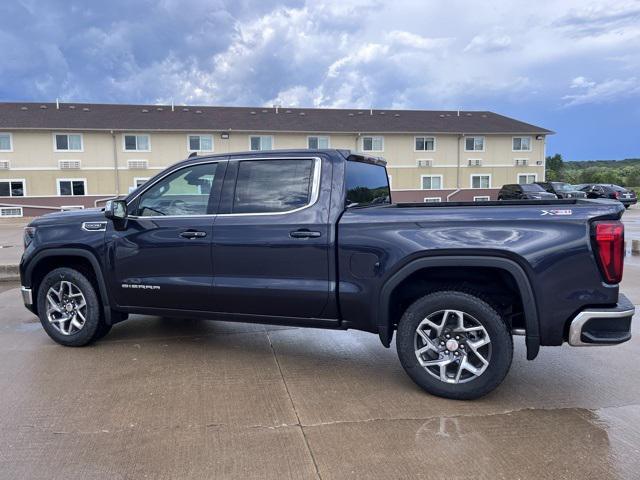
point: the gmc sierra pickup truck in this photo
(311, 238)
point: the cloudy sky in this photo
(572, 66)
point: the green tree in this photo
(555, 168)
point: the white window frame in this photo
(484, 143)
(24, 186)
(432, 199)
(11, 208)
(135, 181)
(441, 177)
(213, 147)
(129, 134)
(424, 136)
(83, 180)
(273, 143)
(55, 144)
(10, 142)
(482, 198)
(522, 136)
(371, 137)
(319, 137)
(535, 177)
(471, 177)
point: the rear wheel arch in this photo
(386, 318)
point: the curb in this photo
(9, 273)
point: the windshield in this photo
(563, 187)
(367, 184)
(531, 187)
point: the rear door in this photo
(271, 238)
(162, 258)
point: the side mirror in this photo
(115, 210)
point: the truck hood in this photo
(72, 216)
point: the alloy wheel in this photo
(66, 307)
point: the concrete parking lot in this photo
(172, 398)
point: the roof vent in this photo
(43, 107)
(351, 114)
(442, 115)
(145, 110)
(468, 114)
(198, 111)
(159, 109)
(381, 113)
(24, 108)
(302, 114)
(185, 109)
(252, 113)
(288, 111)
(85, 109)
(360, 113)
(484, 115)
(72, 107)
(265, 111)
(397, 115)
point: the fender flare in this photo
(74, 252)
(385, 329)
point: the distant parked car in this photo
(527, 191)
(562, 189)
(615, 192)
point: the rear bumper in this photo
(602, 326)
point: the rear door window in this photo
(274, 186)
(366, 184)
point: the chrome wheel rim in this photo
(66, 307)
(452, 346)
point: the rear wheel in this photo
(69, 309)
(454, 345)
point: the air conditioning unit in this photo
(475, 162)
(424, 163)
(138, 164)
(539, 162)
(522, 162)
(5, 165)
(69, 164)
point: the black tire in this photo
(500, 198)
(93, 327)
(501, 344)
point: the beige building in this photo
(76, 155)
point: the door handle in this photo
(303, 233)
(190, 234)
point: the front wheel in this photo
(454, 345)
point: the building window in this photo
(431, 182)
(425, 144)
(72, 187)
(137, 143)
(261, 142)
(139, 181)
(432, 199)
(481, 198)
(200, 143)
(12, 188)
(68, 142)
(315, 143)
(6, 144)
(524, 178)
(474, 144)
(480, 181)
(372, 144)
(521, 144)
(11, 212)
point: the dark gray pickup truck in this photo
(311, 238)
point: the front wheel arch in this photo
(385, 323)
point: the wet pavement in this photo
(172, 398)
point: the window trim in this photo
(518, 175)
(431, 176)
(372, 137)
(484, 142)
(522, 136)
(128, 134)
(84, 180)
(479, 175)
(435, 147)
(273, 143)
(24, 186)
(55, 144)
(328, 137)
(12, 208)
(213, 146)
(10, 142)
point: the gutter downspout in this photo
(115, 163)
(460, 135)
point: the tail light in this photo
(616, 194)
(609, 243)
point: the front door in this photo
(162, 258)
(271, 238)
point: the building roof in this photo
(80, 116)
